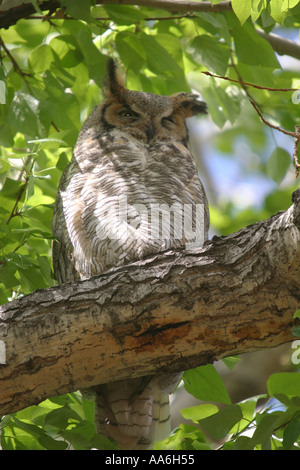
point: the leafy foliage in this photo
(264, 422)
(60, 423)
(50, 79)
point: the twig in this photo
(14, 211)
(15, 64)
(295, 135)
(249, 84)
(64, 16)
(292, 134)
(12, 59)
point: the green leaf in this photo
(94, 59)
(206, 384)
(252, 49)
(130, 50)
(28, 427)
(231, 361)
(266, 426)
(60, 417)
(67, 49)
(297, 313)
(288, 4)
(258, 7)
(33, 279)
(18, 435)
(52, 444)
(242, 9)
(211, 53)
(156, 55)
(7, 276)
(215, 110)
(78, 8)
(23, 113)
(77, 440)
(91, 54)
(124, 14)
(62, 162)
(22, 261)
(291, 433)
(6, 137)
(222, 105)
(220, 424)
(278, 164)
(296, 331)
(286, 383)
(242, 443)
(65, 112)
(196, 413)
(185, 437)
(11, 188)
(41, 58)
(276, 11)
(102, 443)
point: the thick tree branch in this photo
(281, 45)
(12, 11)
(170, 312)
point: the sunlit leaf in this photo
(211, 53)
(287, 383)
(206, 384)
(242, 9)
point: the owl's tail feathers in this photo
(134, 413)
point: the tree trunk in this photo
(170, 312)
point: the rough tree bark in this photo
(170, 312)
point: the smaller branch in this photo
(12, 59)
(295, 135)
(281, 45)
(175, 5)
(292, 134)
(248, 84)
(14, 211)
(64, 16)
(15, 64)
(55, 126)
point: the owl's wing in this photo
(62, 248)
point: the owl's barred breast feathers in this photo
(131, 189)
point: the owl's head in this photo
(146, 116)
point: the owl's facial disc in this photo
(135, 123)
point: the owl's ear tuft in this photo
(114, 85)
(189, 104)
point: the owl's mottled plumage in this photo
(132, 157)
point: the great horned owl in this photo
(131, 189)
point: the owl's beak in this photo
(150, 132)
